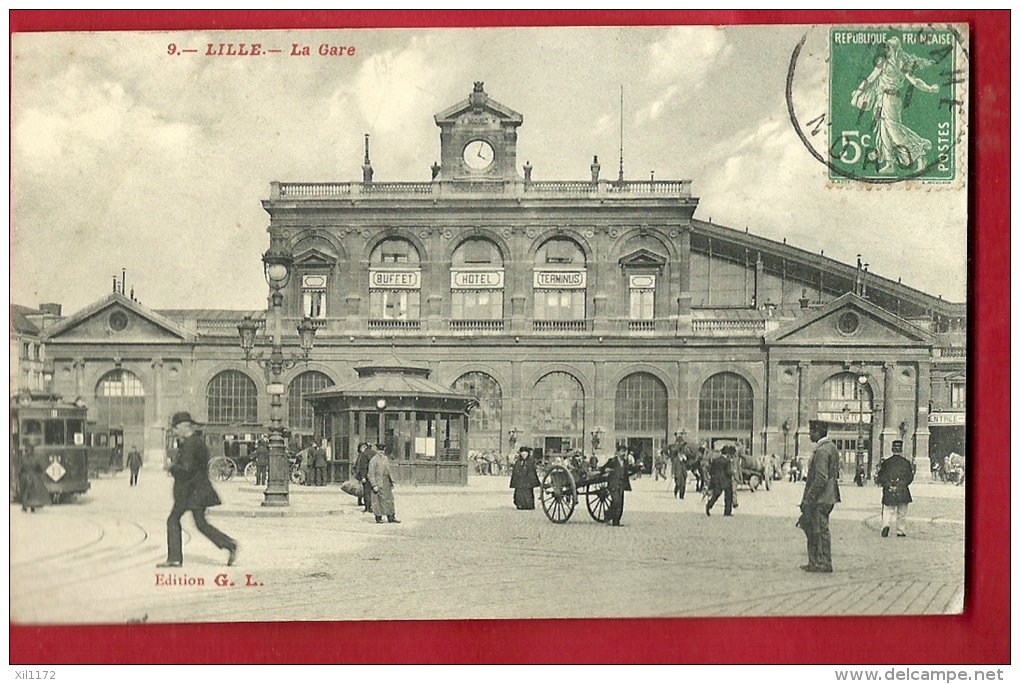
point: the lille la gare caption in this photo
(259, 49)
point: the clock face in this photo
(478, 155)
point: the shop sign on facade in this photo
(948, 418)
(491, 279)
(395, 279)
(561, 280)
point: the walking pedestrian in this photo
(134, 464)
(720, 474)
(524, 479)
(617, 470)
(381, 478)
(894, 476)
(365, 454)
(192, 492)
(680, 454)
(821, 493)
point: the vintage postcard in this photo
(489, 323)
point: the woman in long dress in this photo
(524, 479)
(882, 92)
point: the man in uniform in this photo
(192, 492)
(821, 493)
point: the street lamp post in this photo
(278, 263)
(862, 382)
(786, 439)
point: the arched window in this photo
(726, 404)
(476, 282)
(486, 421)
(232, 397)
(120, 400)
(300, 411)
(641, 404)
(395, 285)
(557, 413)
(560, 285)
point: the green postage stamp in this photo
(897, 103)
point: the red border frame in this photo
(980, 635)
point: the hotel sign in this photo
(561, 280)
(476, 280)
(395, 279)
(954, 418)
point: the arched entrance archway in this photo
(725, 412)
(557, 415)
(120, 408)
(846, 405)
(485, 426)
(641, 416)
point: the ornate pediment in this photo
(116, 319)
(314, 258)
(850, 321)
(642, 258)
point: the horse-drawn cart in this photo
(563, 486)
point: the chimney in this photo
(804, 301)
(50, 309)
(366, 168)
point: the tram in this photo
(48, 435)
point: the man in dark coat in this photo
(317, 455)
(720, 476)
(524, 479)
(680, 454)
(134, 464)
(618, 483)
(32, 492)
(192, 492)
(821, 493)
(895, 475)
(365, 454)
(262, 463)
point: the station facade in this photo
(580, 314)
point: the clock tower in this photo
(478, 139)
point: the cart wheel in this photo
(297, 476)
(598, 499)
(250, 471)
(559, 494)
(753, 482)
(221, 469)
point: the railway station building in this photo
(579, 314)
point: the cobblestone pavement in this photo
(468, 553)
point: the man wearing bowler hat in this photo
(821, 493)
(192, 492)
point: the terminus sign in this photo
(395, 279)
(561, 280)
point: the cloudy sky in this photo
(126, 156)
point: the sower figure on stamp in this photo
(821, 493)
(894, 476)
(134, 464)
(380, 478)
(192, 492)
